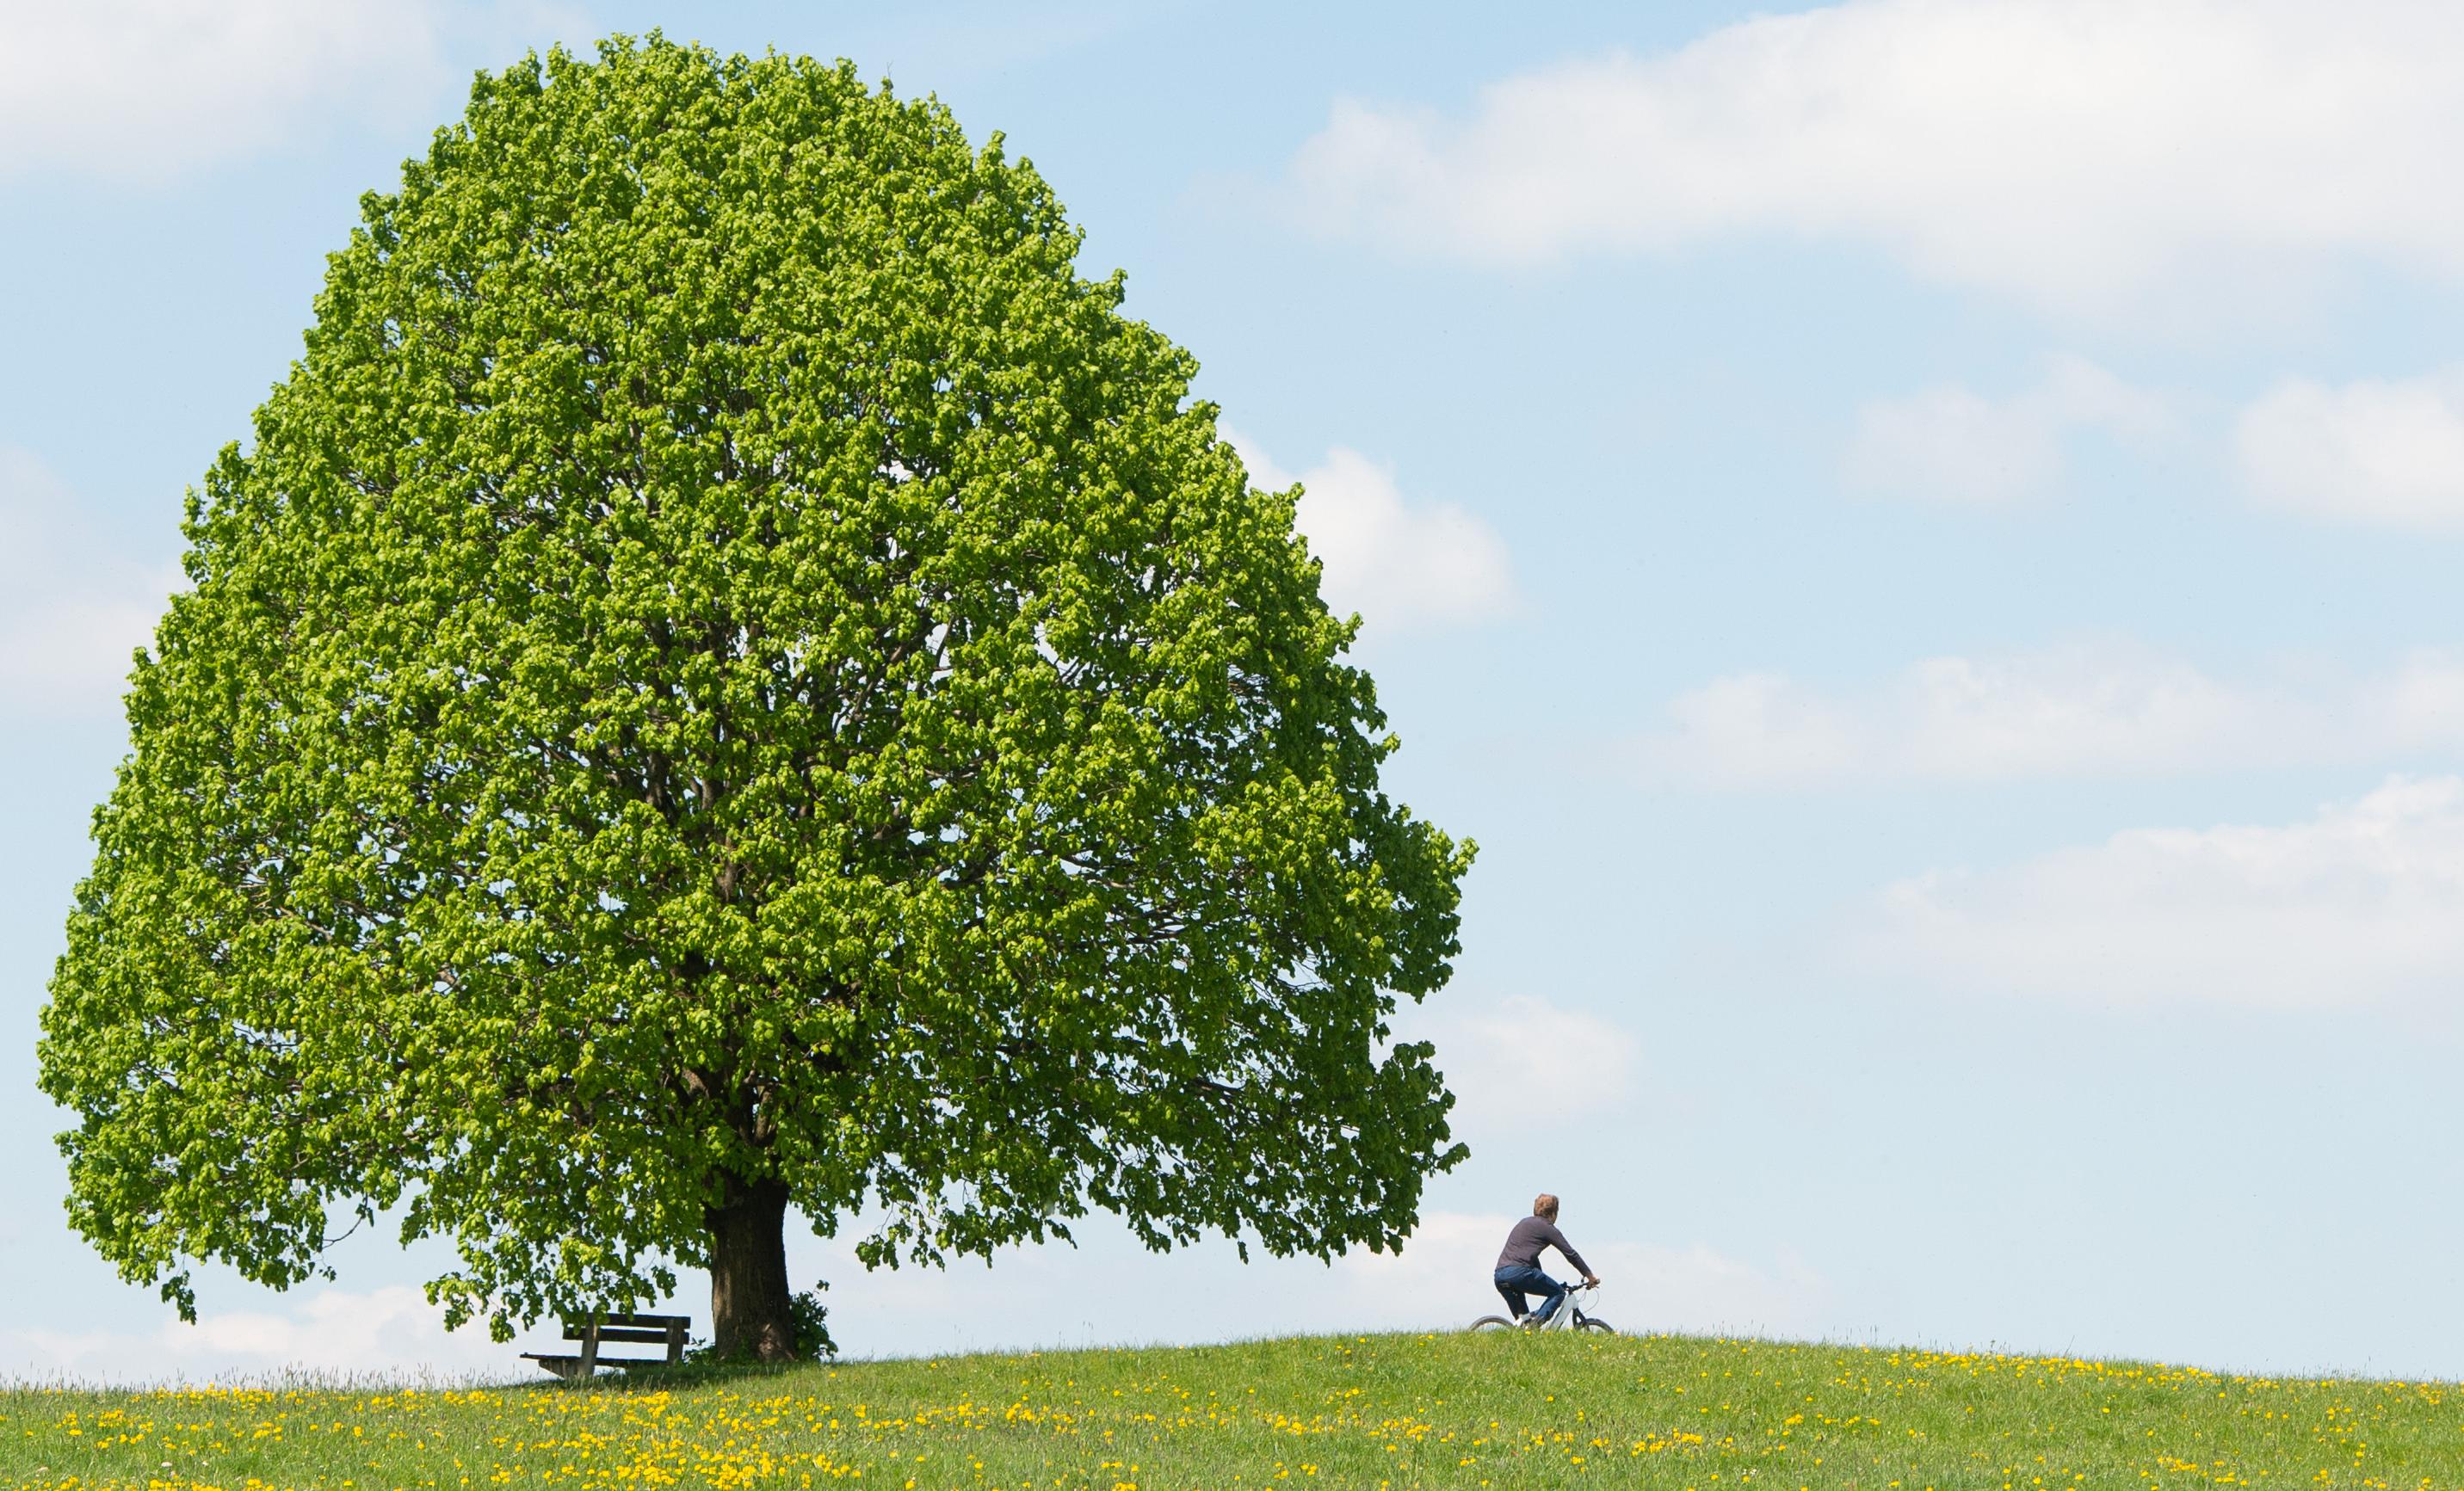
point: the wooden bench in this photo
(648, 1330)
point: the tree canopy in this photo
(730, 677)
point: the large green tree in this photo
(731, 678)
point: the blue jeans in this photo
(1516, 1282)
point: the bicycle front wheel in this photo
(1492, 1323)
(1587, 1322)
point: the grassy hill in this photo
(1387, 1410)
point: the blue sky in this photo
(1920, 539)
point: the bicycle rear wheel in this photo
(1492, 1323)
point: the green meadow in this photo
(1379, 1411)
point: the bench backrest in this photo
(652, 1329)
(667, 1330)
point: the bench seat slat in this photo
(604, 1361)
(567, 1365)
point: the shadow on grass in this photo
(660, 1377)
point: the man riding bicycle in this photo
(1518, 1266)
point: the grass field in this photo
(1387, 1410)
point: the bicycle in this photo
(1570, 1316)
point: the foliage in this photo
(812, 1322)
(1393, 1411)
(728, 669)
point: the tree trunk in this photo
(748, 1274)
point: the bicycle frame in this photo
(1570, 1314)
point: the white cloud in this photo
(1951, 444)
(2097, 709)
(148, 88)
(387, 1332)
(1660, 1288)
(2096, 154)
(1497, 1055)
(1114, 1292)
(2384, 452)
(1752, 728)
(1399, 564)
(71, 609)
(2363, 902)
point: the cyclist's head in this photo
(1545, 1207)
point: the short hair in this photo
(1543, 1205)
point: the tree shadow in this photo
(663, 1378)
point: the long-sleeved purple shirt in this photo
(1530, 1235)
